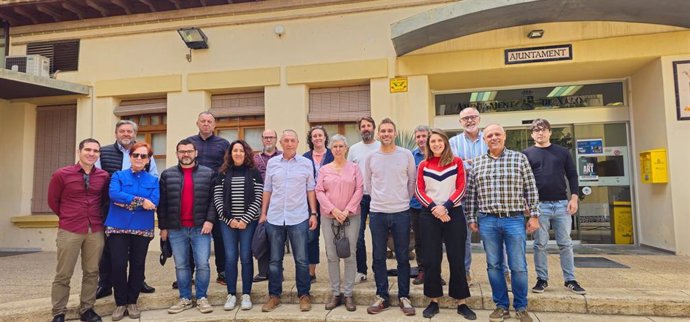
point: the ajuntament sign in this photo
(538, 54)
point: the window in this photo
(63, 55)
(541, 98)
(151, 118)
(339, 108)
(240, 116)
(248, 128)
(55, 148)
(4, 41)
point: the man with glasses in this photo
(113, 158)
(551, 164)
(76, 193)
(468, 145)
(211, 151)
(268, 139)
(186, 217)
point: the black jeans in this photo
(453, 234)
(414, 222)
(218, 249)
(361, 246)
(127, 249)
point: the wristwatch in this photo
(313, 213)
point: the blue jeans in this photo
(180, 239)
(554, 214)
(495, 232)
(361, 246)
(398, 224)
(298, 235)
(238, 244)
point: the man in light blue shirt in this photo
(468, 145)
(289, 208)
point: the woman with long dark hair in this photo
(319, 155)
(440, 188)
(237, 197)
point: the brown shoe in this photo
(350, 304)
(378, 306)
(419, 279)
(336, 300)
(305, 303)
(272, 303)
(406, 306)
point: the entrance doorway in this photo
(602, 160)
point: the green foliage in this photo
(406, 140)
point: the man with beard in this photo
(186, 218)
(268, 139)
(211, 150)
(357, 154)
(115, 157)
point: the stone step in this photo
(291, 313)
(598, 301)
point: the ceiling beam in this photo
(74, 9)
(149, 3)
(176, 3)
(93, 4)
(124, 5)
(22, 11)
(51, 12)
(9, 19)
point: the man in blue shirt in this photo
(421, 134)
(289, 206)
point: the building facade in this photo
(603, 78)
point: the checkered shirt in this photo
(501, 185)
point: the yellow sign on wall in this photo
(398, 85)
(654, 166)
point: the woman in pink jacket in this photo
(339, 191)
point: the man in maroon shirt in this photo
(75, 194)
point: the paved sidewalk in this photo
(655, 284)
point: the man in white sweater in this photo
(389, 177)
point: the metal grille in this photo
(64, 54)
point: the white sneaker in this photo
(230, 303)
(246, 302)
(360, 277)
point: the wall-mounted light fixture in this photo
(537, 33)
(194, 38)
(279, 30)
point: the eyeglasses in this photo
(469, 118)
(86, 177)
(186, 151)
(143, 156)
(268, 137)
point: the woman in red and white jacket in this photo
(440, 187)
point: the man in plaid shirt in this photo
(501, 189)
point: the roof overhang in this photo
(468, 17)
(16, 85)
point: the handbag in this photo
(342, 243)
(260, 241)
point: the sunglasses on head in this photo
(140, 156)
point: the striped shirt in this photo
(437, 185)
(502, 184)
(237, 201)
(468, 149)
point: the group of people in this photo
(443, 190)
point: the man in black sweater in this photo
(551, 165)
